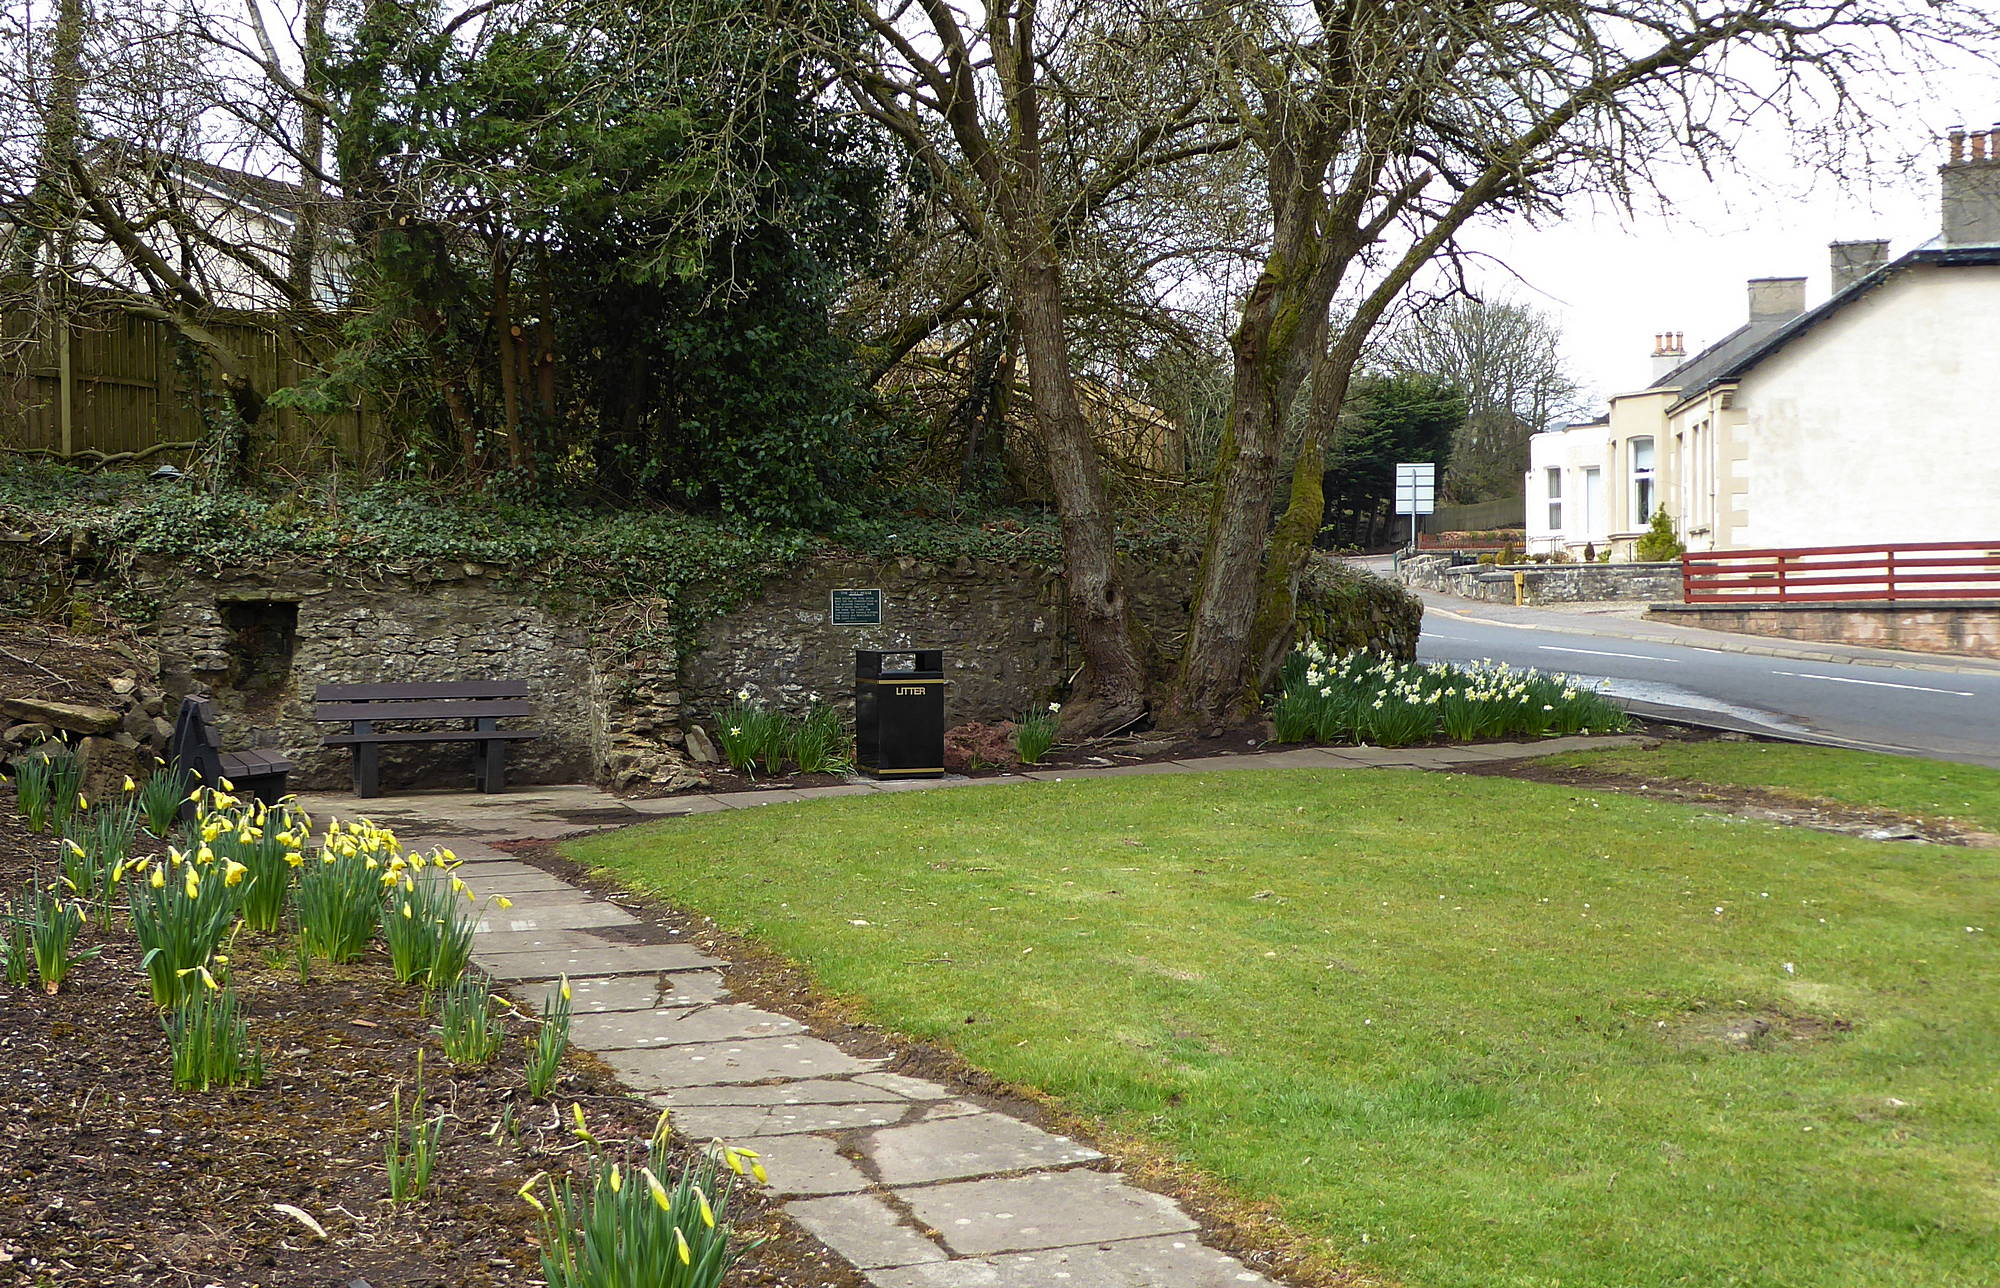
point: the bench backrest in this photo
(437, 691)
(194, 749)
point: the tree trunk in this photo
(1111, 694)
(303, 253)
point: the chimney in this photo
(1854, 260)
(1668, 353)
(1776, 298)
(1971, 182)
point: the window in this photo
(1555, 490)
(1642, 481)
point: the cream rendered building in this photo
(1873, 418)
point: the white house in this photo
(228, 231)
(1874, 417)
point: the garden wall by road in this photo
(614, 694)
(1966, 627)
(1552, 583)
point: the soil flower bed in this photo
(113, 1176)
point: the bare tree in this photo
(1385, 129)
(1506, 358)
(1022, 119)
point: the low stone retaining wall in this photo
(1968, 627)
(614, 700)
(1553, 583)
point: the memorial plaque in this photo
(857, 608)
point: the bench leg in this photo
(367, 769)
(493, 767)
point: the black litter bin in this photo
(899, 713)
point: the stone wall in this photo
(1003, 629)
(1552, 583)
(1969, 628)
(260, 642)
(613, 700)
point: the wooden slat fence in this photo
(116, 374)
(1836, 574)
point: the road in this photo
(1867, 698)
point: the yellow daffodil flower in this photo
(158, 879)
(681, 1246)
(659, 1191)
(757, 1170)
(233, 873)
(193, 885)
(707, 1213)
(527, 1192)
(502, 902)
(617, 1179)
(130, 786)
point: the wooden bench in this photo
(481, 703)
(196, 751)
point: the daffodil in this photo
(193, 885)
(158, 879)
(658, 1191)
(527, 1192)
(233, 873)
(707, 1213)
(681, 1246)
(757, 1170)
(502, 902)
(130, 786)
(617, 1179)
(582, 1128)
(565, 988)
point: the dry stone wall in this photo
(616, 704)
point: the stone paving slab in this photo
(611, 994)
(805, 1091)
(938, 1149)
(1042, 1210)
(769, 796)
(731, 1121)
(634, 1030)
(807, 1165)
(674, 806)
(510, 879)
(507, 964)
(526, 916)
(1163, 1262)
(750, 1060)
(914, 1088)
(865, 1230)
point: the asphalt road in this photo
(1916, 706)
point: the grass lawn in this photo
(1934, 789)
(1461, 1031)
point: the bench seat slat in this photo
(251, 762)
(421, 692)
(437, 710)
(433, 735)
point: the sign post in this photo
(1416, 493)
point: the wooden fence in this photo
(1834, 574)
(108, 384)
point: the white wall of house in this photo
(1568, 507)
(1883, 423)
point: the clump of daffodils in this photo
(637, 1217)
(1370, 698)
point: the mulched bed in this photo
(111, 1176)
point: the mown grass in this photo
(1461, 1031)
(1930, 789)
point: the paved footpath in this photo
(917, 1186)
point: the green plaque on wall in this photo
(857, 608)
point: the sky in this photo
(1611, 281)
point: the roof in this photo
(1732, 357)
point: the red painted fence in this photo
(1830, 574)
